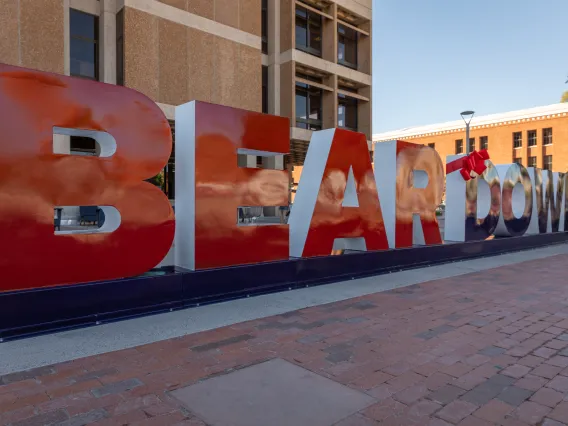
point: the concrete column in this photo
(364, 113)
(66, 38)
(330, 103)
(364, 49)
(329, 34)
(274, 57)
(287, 24)
(107, 42)
(288, 91)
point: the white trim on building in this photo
(530, 114)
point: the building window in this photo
(532, 162)
(80, 145)
(531, 136)
(517, 139)
(432, 145)
(265, 90)
(308, 107)
(120, 48)
(347, 113)
(471, 144)
(308, 31)
(483, 142)
(459, 146)
(518, 161)
(547, 163)
(264, 26)
(347, 46)
(84, 34)
(547, 136)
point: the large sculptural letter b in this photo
(35, 178)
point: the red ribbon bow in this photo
(474, 162)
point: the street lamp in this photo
(467, 116)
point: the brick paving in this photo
(488, 348)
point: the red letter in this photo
(211, 187)
(410, 179)
(337, 198)
(34, 180)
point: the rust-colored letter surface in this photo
(214, 191)
(135, 144)
(337, 206)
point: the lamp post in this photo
(467, 116)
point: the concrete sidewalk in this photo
(453, 344)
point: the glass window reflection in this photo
(347, 113)
(308, 107)
(347, 46)
(83, 44)
(308, 31)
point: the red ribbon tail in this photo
(465, 174)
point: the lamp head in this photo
(467, 114)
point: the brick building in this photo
(535, 137)
(309, 60)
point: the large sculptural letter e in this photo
(211, 187)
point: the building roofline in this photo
(548, 111)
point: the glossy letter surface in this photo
(210, 186)
(337, 198)
(548, 188)
(517, 200)
(410, 180)
(34, 180)
(473, 207)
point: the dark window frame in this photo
(265, 89)
(532, 138)
(458, 146)
(471, 144)
(517, 139)
(341, 37)
(483, 142)
(432, 145)
(94, 41)
(264, 26)
(309, 91)
(518, 160)
(547, 162)
(310, 20)
(532, 161)
(547, 136)
(346, 102)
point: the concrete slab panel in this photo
(275, 393)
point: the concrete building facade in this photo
(308, 60)
(534, 137)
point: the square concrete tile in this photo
(275, 393)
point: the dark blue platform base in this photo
(30, 312)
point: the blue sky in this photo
(433, 59)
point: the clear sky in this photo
(433, 59)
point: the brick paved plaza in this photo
(486, 348)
